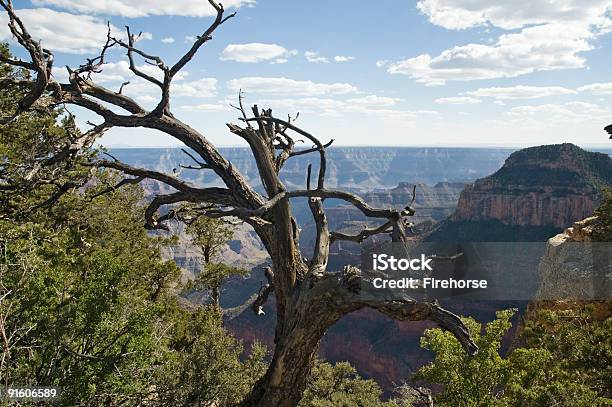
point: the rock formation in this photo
(575, 274)
(538, 192)
(575, 268)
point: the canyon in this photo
(462, 194)
(355, 168)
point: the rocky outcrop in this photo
(524, 205)
(572, 277)
(581, 231)
(540, 186)
(575, 268)
(538, 192)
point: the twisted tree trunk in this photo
(285, 379)
(306, 318)
(317, 304)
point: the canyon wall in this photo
(537, 193)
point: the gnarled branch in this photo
(344, 292)
(362, 235)
(41, 64)
(319, 146)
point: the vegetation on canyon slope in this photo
(89, 306)
(86, 302)
(565, 358)
(566, 361)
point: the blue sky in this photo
(420, 73)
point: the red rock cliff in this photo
(540, 186)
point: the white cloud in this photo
(458, 100)
(60, 74)
(145, 35)
(190, 38)
(371, 105)
(145, 91)
(147, 99)
(461, 14)
(520, 92)
(285, 86)
(381, 63)
(427, 112)
(550, 37)
(254, 52)
(539, 48)
(205, 87)
(568, 112)
(597, 88)
(373, 100)
(168, 40)
(61, 32)
(341, 58)
(205, 107)
(143, 8)
(337, 108)
(323, 106)
(280, 61)
(314, 57)
(120, 72)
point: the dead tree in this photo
(309, 298)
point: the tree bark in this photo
(307, 316)
(285, 380)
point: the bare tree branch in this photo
(201, 165)
(41, 64)
(311, 150)
(403, 311)
(131, 49)
(384, 228)
(319, 146)
(362, 235)
(123, 182)
(140, 172)
(349, 197)
(320, 255)
(344, 291)
(204, 37)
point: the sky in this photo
(388, 72)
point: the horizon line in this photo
(489, 146)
